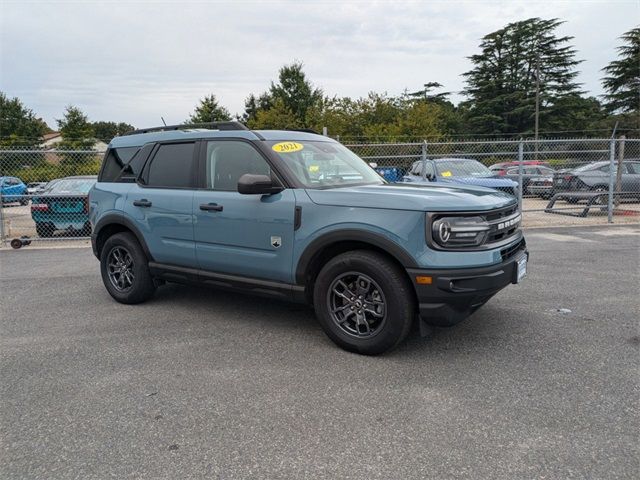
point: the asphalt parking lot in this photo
(200, 383)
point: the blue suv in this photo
(298, 216)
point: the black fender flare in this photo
(119, 219)
(351, 235)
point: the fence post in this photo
(423, 153)
(612, 155)
(520, 171)
(2, 239)
(324, 131)
(619, 170)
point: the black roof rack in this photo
(304, 130)
(211, 126)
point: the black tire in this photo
(389, 288)
(85, 231)
(141, 286)
(24, 201)
(601, 200)
(45, 230)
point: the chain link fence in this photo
(44, 193)
(570, 177)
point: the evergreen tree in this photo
(209, 110)
(514, 62)
(622, 82)
(296, 92)
(77, 134)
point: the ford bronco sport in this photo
(298, 216)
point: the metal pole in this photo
(537, 120)
(619, 170)
(612, 155)
(2, 239)
(324, 131)
(423, 153)
(520, 171)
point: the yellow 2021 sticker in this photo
(446, 174)
(287, 147)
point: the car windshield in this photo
(320, 165)
(71, 185)
(462, 168)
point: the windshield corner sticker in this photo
(446, 174)
(287, 147)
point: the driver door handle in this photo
(211, 207)
(142, 203)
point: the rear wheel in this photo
(601, 199)
(45, 230)
(364, 302)
(125, 270)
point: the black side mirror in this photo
(250, 184)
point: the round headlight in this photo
(444, 231)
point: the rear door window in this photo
(172, 166)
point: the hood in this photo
(411, 196)
(491, 182)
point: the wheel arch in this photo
(110, 225)
(327, 246)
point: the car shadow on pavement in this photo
(485, 326)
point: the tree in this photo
(622, 82)
(278, 117)
(77, 134)
(253, 104)
(293, 93)
(19, 127)
(296, 92)
(516, 62)
(105, 131)
(209, 110)
(425, 93)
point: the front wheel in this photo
(364, 302)
(125, 270)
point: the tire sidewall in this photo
(143, 286)
(399, 306)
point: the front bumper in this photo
(454, 294)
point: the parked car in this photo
(501, 168)
(461, 171)
(299, 216)
(391, 174)
(12, 190)
(595, 177)
(528, 172)
(35, 187)
(63, 205)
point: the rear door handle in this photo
(211, 207)
(142, 203)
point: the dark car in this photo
(528, 173)
(595, 177)
(63, 205)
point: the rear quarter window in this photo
(115, 160)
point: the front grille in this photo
(503, 228)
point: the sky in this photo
(139, 61)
